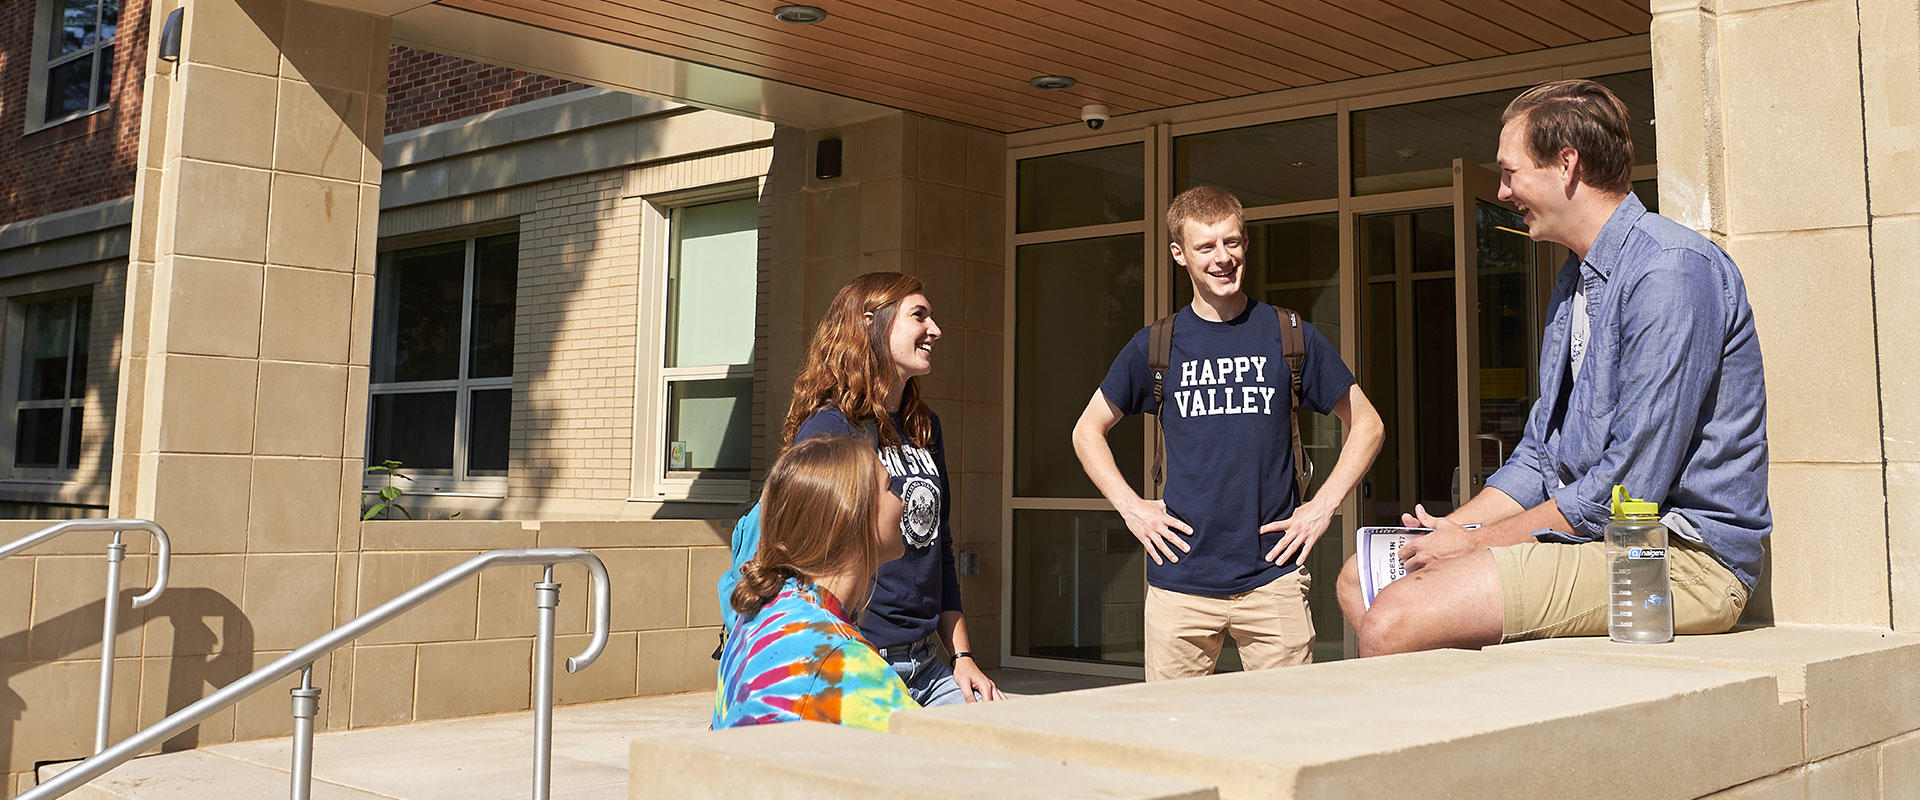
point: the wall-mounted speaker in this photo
(826, 159)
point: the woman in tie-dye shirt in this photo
(828, 520)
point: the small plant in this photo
(389, 494)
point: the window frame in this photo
(458, 480)
(43, 64)
(652, 481)
(15, 332)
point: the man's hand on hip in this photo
(1304, 528)
(1156, 529)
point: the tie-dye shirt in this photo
(799, 658)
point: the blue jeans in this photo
(928, 677)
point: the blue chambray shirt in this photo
(1670, 401)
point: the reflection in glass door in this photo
(1408, 370)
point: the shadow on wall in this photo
(212, 647)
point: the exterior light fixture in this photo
(799, 15)
(1052, 83)
(170, 37)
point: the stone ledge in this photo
(1857, 685)
(1497, 724)
(809, 759)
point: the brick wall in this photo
(85, 161)
(425, 88)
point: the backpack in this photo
(1293, 345)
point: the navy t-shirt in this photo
(910, 592)
(1229, 438)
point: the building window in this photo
(49, 384)
(701, 443)
(442, 378)
(73, 58)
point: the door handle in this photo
(1499, 446)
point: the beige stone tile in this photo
(1903, 544)
(594, 535)
(213, 308)
(170, 684)
(459, 679)
(1890, 55)
(16, 608)
(453, 534)
(981, 593)
(200, 615)
(383, 681)
(649, 587)
(705, 566)
(221, 213)
(1896, 274)
(69, 603)
(770, 760)
(985, 370)
(302, 409)
(307, 315)
(787, 227)
(227, 116)
(986, 230)
(1900, 766)
(52, 710)
(1788, 113)
(238, 34)
(360, 326)
(328, 46)
(679, 660)
(366, 251)
(940, 220)
(149, 198)
(353, 435)
(886, 214)
(871, 150)
(612, 676)
(201, 501)
(449, 616)
(1854, 774)
(269, 712)
(987, 162)
(313, 223)
(507, 595)
(208, 405)
(1821, 275)
(979, 501)
(833, 223)
(982, 426)
(319, 131)
(1829, 544)
(290, 598)
(941, 150)
(1789, 785)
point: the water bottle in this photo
(1640, 594)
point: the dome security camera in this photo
(1095, 115)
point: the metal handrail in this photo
(306, 698)
(116, 553)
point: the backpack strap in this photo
(1293, 345)
(1159, 357)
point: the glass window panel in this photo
(103, 87)
(69, 88)
(74, 417)
(74, 26)
(709, 424)
(37, 435)
(1077, 303)
(1505, 268)
(415, 429)
(1436, 415)
(710, 286)
(1433, 240)
(1089, 187)
(495, 282)
(82, 324)
(1079, 587)
(46, 351)
(109, 19)
(1282, 162)
(417, 314)
(1635, 90)
(489, 423)
(1413, 146)
(1380, 377)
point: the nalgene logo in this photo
(1646, 552)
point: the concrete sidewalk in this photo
(476, 757)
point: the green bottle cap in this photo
(1625, 506)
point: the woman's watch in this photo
(960, 655)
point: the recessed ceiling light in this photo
(799, 15)
(1302, 164)
(1052, 83)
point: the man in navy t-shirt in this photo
(1229, 537)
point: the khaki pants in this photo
(1270, 625)
(1549, 590)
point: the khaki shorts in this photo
(1549, 590)
(1270, 625)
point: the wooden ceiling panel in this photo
(970, 60)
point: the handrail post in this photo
(110, 621)
(546, 598)
(306, 706)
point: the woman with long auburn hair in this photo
(827, 522)
(860, 377)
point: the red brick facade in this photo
(78, 163)
(425, 88)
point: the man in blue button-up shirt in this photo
(1649, 378)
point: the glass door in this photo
(1495, 304)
